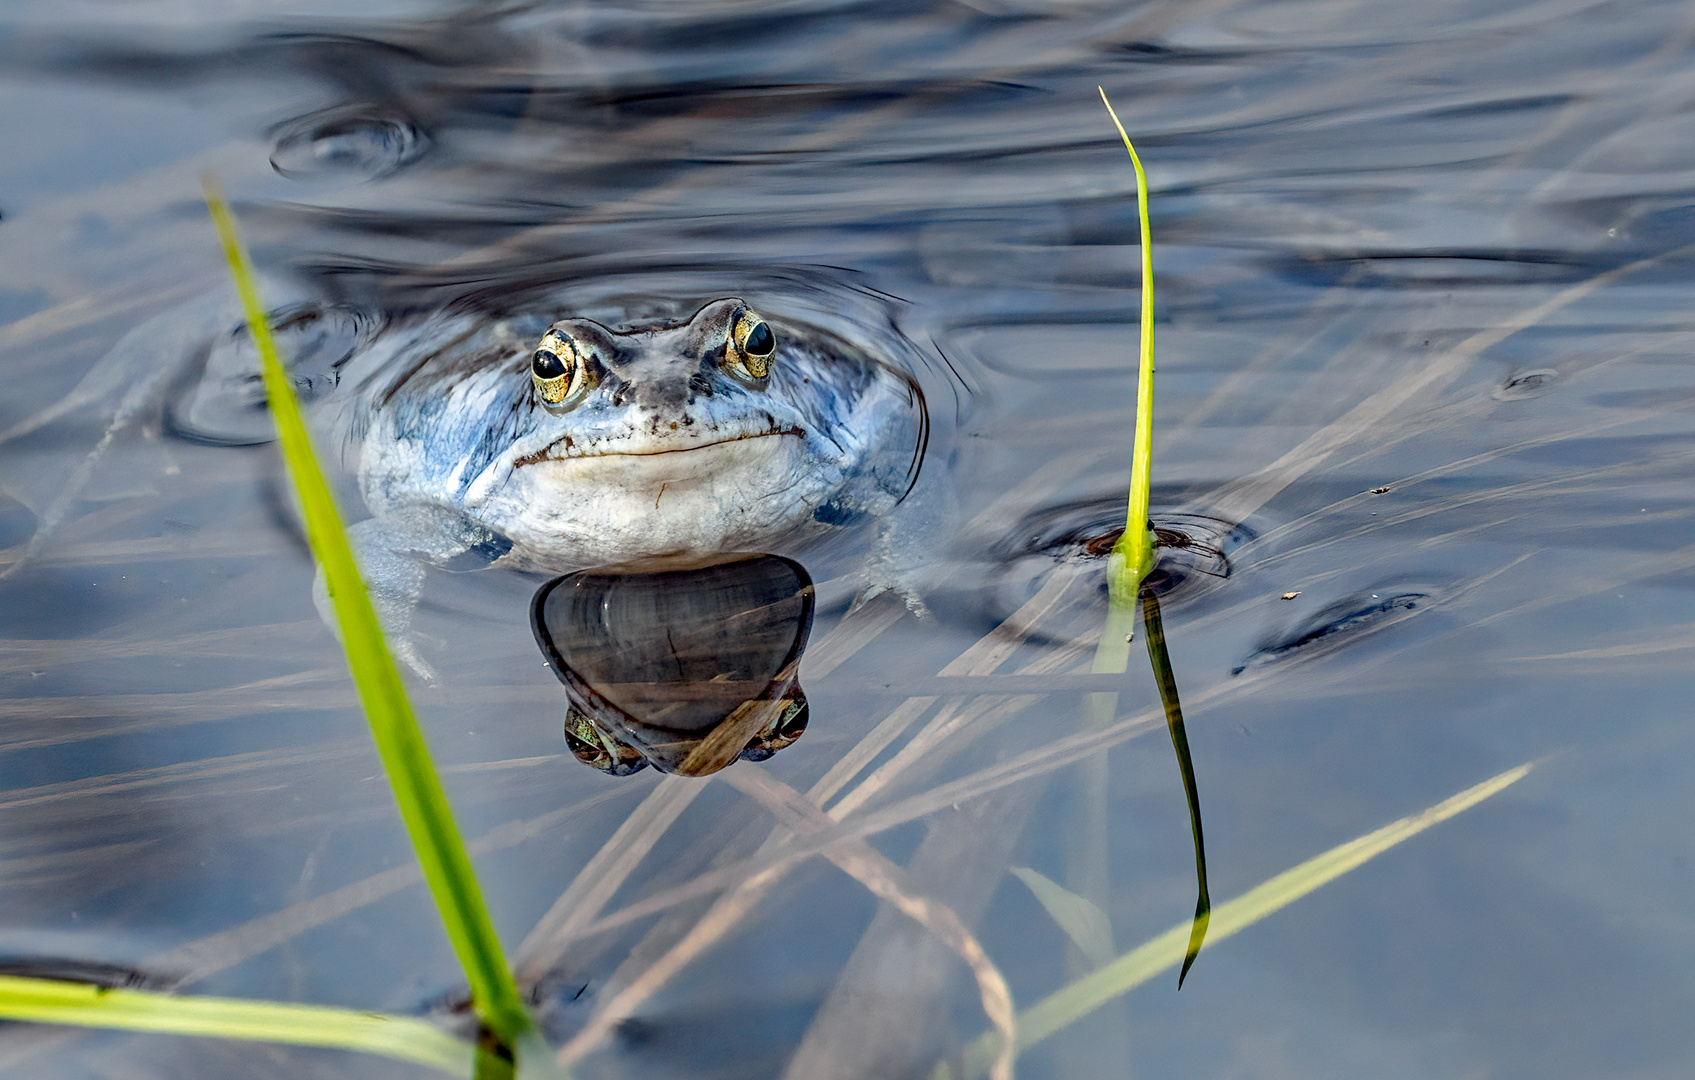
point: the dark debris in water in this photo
(88, 972)
(1526, 384)
(1339, 624)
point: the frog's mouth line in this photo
(547, 453)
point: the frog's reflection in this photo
(682, 665)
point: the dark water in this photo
(1440, 250)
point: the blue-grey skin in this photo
(668, 446)
(669, 450)
(669, 443)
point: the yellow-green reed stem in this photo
(1131, 559)
(1133, 555)
(50, 1001)
(417, 789)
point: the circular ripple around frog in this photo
(221, 401)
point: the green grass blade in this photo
(417, 789)
(1133, 555)
(1166, 951)
(49, 1001)
(1131, 559)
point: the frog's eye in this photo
(782, 732)
(556, 368)
(751, 345)
(598, 750)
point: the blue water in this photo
(1438, 249)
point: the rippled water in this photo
(1425, 391)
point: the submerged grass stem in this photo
(1154, 629)
(1065, 1006)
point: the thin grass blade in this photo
(1133, 555)
(50, 1001)
(1161, 660)
(1065, 1006)
(423, 804)
(1082, 921)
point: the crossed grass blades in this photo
(448, 871)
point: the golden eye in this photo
(751, 345)
(556, 368)
(598, 750)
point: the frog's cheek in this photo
(488, 483)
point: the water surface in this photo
(1424, 339)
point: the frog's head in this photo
(725, 346)
(665, 438)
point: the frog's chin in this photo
(563, 513)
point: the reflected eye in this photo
(782, 732)
(598, 750)
(751, 345)
(556, 369)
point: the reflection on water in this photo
(355, 141)
(1439, 251)
(685, 666)
(1159, 660)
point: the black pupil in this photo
(759, 340)
(548, 366)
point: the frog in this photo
(548, 442)
(585, 444)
